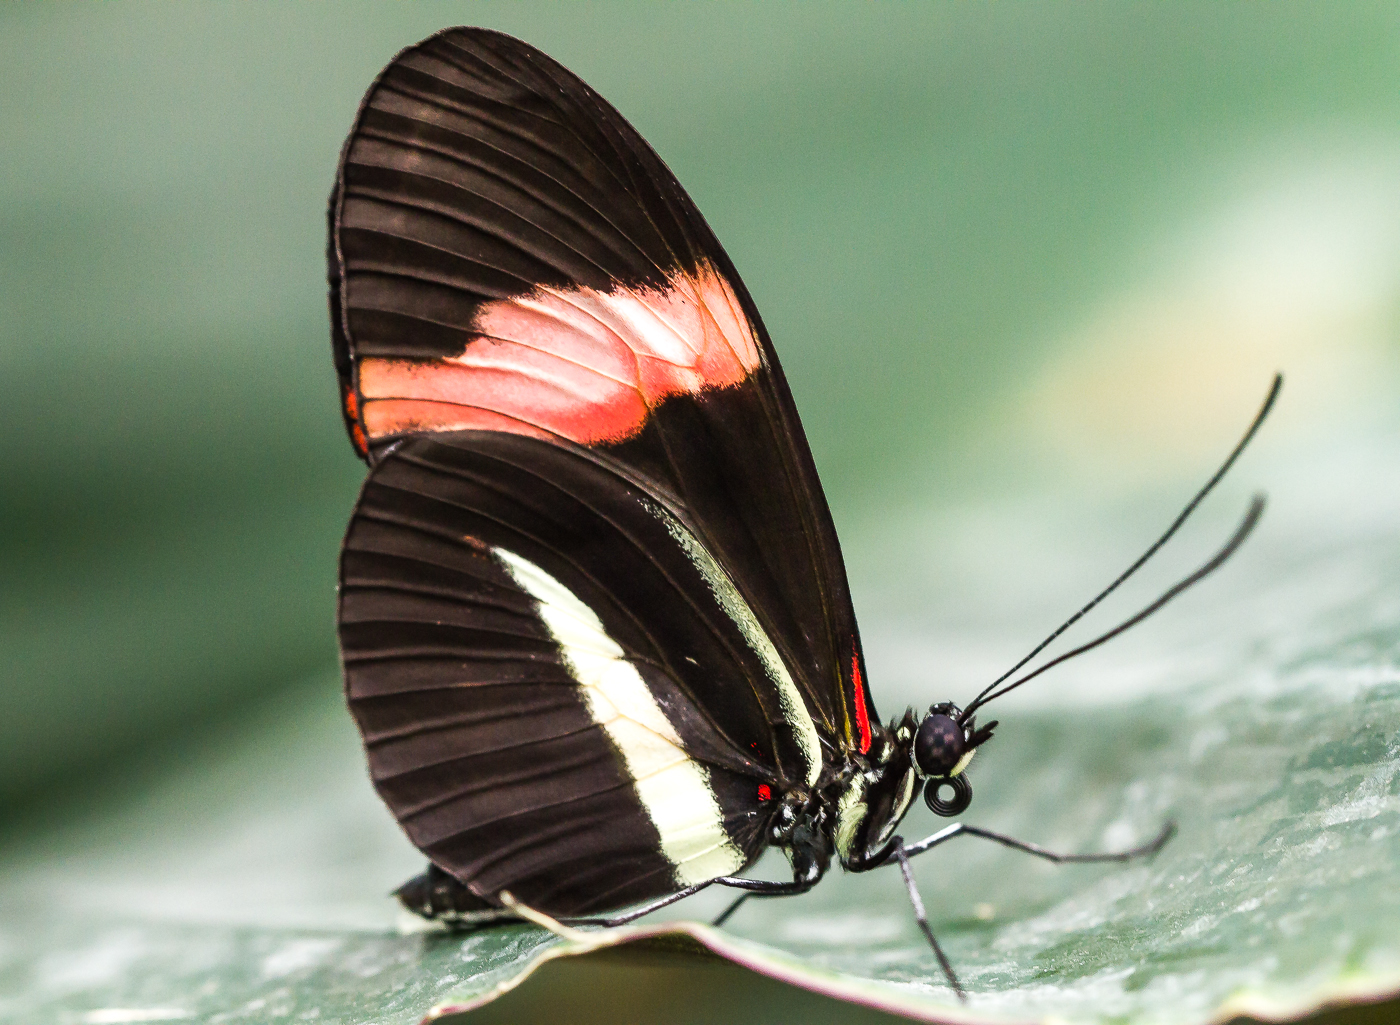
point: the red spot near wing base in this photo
(764, 793)
(350, 404)
(862, 715)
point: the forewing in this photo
(535, 650)
(508, 255)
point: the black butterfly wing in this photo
(524, 635)
(508, 255)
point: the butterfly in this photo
(595, 626)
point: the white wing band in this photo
(674, 790)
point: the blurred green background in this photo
(1036, 258)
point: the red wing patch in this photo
(576, 363)
(862, 715)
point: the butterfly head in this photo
(871, 797)
(941, 747)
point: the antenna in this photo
(1251, 518)
(982, 698)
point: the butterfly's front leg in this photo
(808, 845)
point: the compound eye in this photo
(939, 745)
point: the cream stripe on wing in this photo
(734, 605)
(674, 790)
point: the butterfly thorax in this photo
(873, 794)
(854, 809)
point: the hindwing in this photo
(560, 692)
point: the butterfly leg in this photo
(752, 888)
(921, 917)
(901, 855)
(959, 829)
(724, 915)
(768, 890)
(635, 913)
